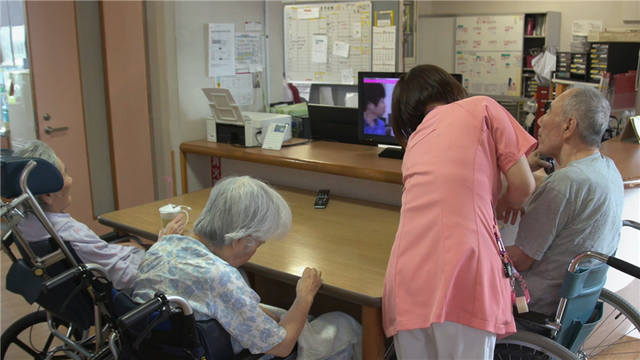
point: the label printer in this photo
(230, 125)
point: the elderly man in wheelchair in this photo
(575, 210)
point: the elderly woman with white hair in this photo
(240, 215)
(121, 262)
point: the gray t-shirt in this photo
(576, 209)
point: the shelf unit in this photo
(540, 30)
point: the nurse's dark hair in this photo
(416, 91)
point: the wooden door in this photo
(57, 90)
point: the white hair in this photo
(40, 150)
(243, 207)
(37, 149)
(591, 110)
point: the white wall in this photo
(177, 45)
(610, 12)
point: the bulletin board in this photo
(489, 53)
(307, 25)
(490, 72)
(490, 33)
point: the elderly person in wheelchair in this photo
(240, 215)
(120, 261)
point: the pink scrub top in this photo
(445, 264)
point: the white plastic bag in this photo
(543, 65)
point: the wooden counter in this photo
(357, 161)
(626, 156)
(362, 162)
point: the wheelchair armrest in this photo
(246, 355)
(533, 318)
(114, 238)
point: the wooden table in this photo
(350, 241)
(361, 161)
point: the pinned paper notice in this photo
(312, 13)
(252, 26)
(319, 49)
(341, 49)
(347, 76)
(356, 30)
(583, 27)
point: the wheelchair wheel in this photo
(616, 333)
(29, 337)
(529, 346)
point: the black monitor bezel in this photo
(368, 138)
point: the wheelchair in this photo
(77, 296)
(579, 312)
(76, 306)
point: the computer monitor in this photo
(334, 123)
(375, 90)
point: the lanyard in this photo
(519, 294)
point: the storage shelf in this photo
(534, 36)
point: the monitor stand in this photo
(392, 153)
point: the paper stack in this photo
(579, 44)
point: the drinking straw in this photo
(168, 187)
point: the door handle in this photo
(50, 130)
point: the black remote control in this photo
(322, 199)
(551, 161)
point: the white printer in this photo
(231, 125)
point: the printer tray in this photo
(230, 134)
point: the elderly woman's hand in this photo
(176, 226)
(309, 283)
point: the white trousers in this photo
(448, 340)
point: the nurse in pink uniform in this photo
(446, 295)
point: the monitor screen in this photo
(375, 90)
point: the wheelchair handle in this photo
(70, 274)
(631, 223)
(127, 320)
(624, 266)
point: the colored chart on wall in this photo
(489, 53)
(323, 42)
(489, 72)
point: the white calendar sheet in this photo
(348, 24)
(384, 48)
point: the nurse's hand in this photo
(506, 213)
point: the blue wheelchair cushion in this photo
(44, 178)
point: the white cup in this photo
(169, 212)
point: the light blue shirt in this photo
(121, 262)
(182, 266)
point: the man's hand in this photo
(176, 226)
(309, 284)
(506, 212)
(535, 163)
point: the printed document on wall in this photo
(222, 52)
(240, 86)
(384, 48)
(319, 48)
(249, 52)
